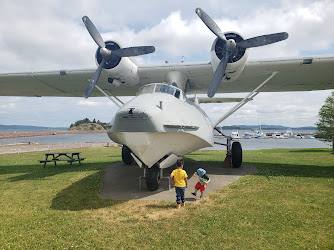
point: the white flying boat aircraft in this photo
(160, 124)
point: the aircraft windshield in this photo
(162, 88)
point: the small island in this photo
(86, 125)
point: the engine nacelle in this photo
(121, 69)
(237, 57)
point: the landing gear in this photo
(153, 178)
(234, 151)
(236, 154)
(151, 175)
(126, 156)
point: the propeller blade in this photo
(263, 40)
(218, 76)
(210, 23)
(133, 51)
(94, 79)
(94, 33)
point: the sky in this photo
(39, 35)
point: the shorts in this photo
(200, 187)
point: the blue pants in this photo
(180, 194)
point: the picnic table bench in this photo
(67, 156)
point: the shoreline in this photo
(43, 133)
(25, 148)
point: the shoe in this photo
(201, 197)
(178, 206)
(183, 204)
(193, 193)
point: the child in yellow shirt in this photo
(179, 178)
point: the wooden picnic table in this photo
(62, 156)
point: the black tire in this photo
(126, 156)
(236, 154)
(153, 178)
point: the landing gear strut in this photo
(234, 153)
(151, 175)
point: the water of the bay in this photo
(247, 144)
(269, 143)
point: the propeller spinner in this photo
(231, 45)
(123, 52)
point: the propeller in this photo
(106, 53)
(231, 45)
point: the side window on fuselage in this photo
(177, 94)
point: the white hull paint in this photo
(157, 125)
(151, 147)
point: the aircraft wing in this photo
(296, 74)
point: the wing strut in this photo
(110, 97)
(248, 98)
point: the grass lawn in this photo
(288, 203)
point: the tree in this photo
(326, 120)
(77, 123)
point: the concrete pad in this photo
(122, 182)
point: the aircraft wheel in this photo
(153, 178)
(126, 157)
(236, 154)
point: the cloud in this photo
(31, 43)
(89, 103)
(6, 108)
(179, 35)
(290, 109)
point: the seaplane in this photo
(164, 120)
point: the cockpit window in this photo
(162, 88)
(165, 89)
